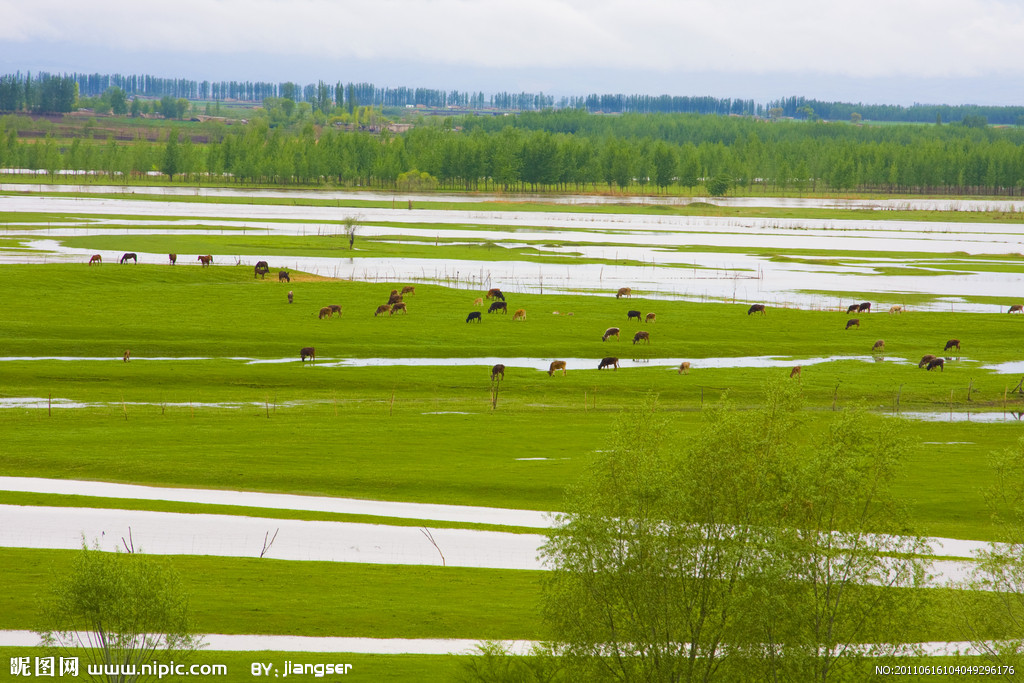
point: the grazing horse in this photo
(173, 258)
(495, 293)
(866, 306)
(475, 315)
(556, 365)
(395, 298)
(206, 260)
(951, 344)
(852, 308)
(325, 312)
(796, 371)
(1016, 308)
(398, 307)
(624, 292)
(408, 289)
(650, 318)
(261, 268)
(308, 352)
(632, 314)
(853, 322)
(291, 298)
(127, 355)
(519, 314)
(879, 345)
(283, 276)
(925, 360)
(610, 332)
(896, 309)
(498, 369)
(498, 306)
(641, 335)
(96, 258)
(479, 301)
(335, 308)
(936, 363)
(756, 308)
(684, 368)
(609, 362)
(130, 255)
(382, 309)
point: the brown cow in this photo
(498, 369)
(498, 306)
(852, 308)
(951, 344)
(291, 297)
(684, 368)
(408, 289)
(96, 258)
(866, 306)
(1016, 308)
(395, 298)
(308, 352)
(325, 312)
(206, 260)
(283, 276)
(624, 292)
(335, 308)
(650, 318)
(127, 355)
(382, 309)
(796, 371)
(398, 307)
(895, 309)
(853, 322)
(173, 258)
(519, 314)
(261, 268)
(879, 345)
(609, 362)
(756, 308)
(610, 332)
(936, 363)
(479, 301)
(925, 360)
(642, 336)
(495, 293)
(556, 365)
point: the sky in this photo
(870, 51)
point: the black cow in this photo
(475, 315)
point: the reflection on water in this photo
(965, 416)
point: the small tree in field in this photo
(121, 610)
(350, 230)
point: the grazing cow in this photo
(519, 314)
(796, 371)
(325, 312)
(173, 258)
(497, 370)
(609, 362)
(951, 344)
(610, 332)
(684, 368)
(879, 345)
(1016, 308)
(335, 308)
(936, 363)
(852, 308)
(556, 365)
(127, 355)
(382, 309)
(475, 315)
(394, 292)
(895, 309)
(853, 322)
(498, 306)
(283, 276)
(495, 294)
(866, 306)
(96, 258)
(479, 301)
(641, 335)
(756, 308)
(408, 289)
(624, 292)
(130, 255)
(291, 298)
(925, 360)
(308, 352)
(650, 318)
(206, 260)
(398, 307)
(632, 314)
(261, 268)
(395, 298)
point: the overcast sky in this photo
(872, 51)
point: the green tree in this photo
(719, 185)
(171, 163)
(118, 609)
(351, 226)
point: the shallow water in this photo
(962, 416)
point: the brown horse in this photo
(641, 336)
(382, 309)
(408, 289)
(130, 255)
(261, 268)
(756, 308)
(879, 345)
(283, 276)
(925, 360)
(308, 352)
(853, 322)
(632, 314)
(497, 370)
(206, 260)
(796, 371)
(936, 363)
(398, 307)
(556, 365)
(684, 368)
(609, 362)
(952, 344)
(325, 312)
(519, 314)
(650, 318)
(173, 258)
(1016, 308)
(624, 292)
(96, 258)
(127, 355)
(498, 306)
(610, 332)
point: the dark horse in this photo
(260, 269)
(130, 255)
(308, 352)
